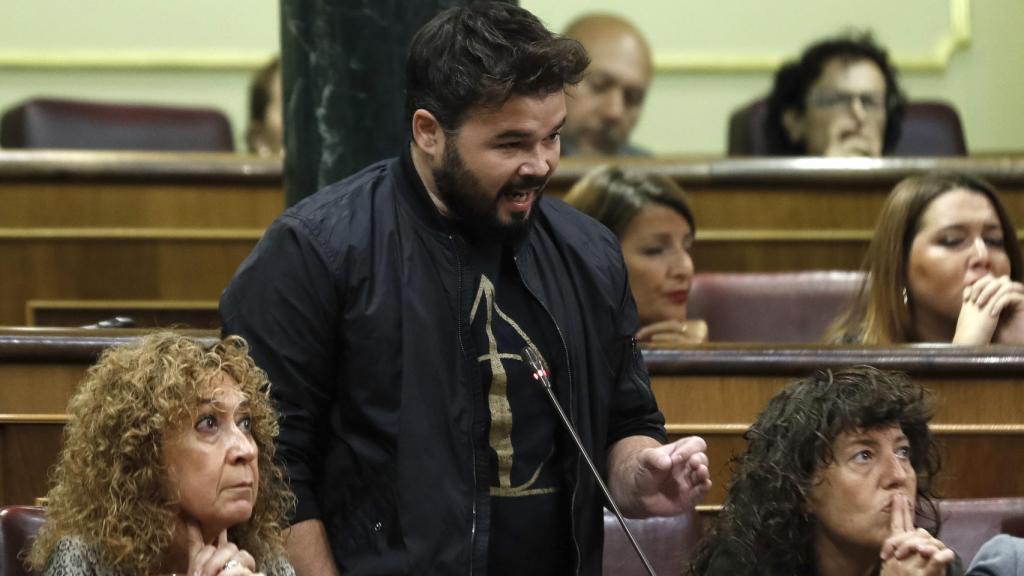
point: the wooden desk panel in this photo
(27, 451)
(102, 226)
(203, 205)
(82, 225)
(98, 189)
(133, 265)
(717, 391)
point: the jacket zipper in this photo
(572, 415)
(472, 440)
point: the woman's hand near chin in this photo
(992, 311)
(910, 551)
(221, 559)
(674, 332)
(1010, 310)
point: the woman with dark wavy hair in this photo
(835, 469)
(168, 467)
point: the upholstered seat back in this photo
(930, 128)
(969, 523)
(669, 544)
(18, 524)
(770, 307)
(69, 124)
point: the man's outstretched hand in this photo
(649, 479)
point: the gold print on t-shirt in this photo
(501, 411)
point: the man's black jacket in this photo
(356, 303)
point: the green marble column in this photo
(343, 64)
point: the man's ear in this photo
(795, 124)
(427, 133)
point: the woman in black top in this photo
(834, 470)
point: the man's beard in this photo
(475, 211)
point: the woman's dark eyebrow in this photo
(871, 443)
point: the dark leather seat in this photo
(969, 523)
(930, 128)
(70, 124)
(770, 306)
(18, 524)
(669, 544)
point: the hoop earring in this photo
(906, 297)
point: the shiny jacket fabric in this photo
(356, 303)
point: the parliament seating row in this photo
(715, 391)
(104, 227)
(930, 128)
(668, 543)
(738, 307)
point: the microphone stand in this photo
(540, 373)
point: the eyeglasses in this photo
(872, 102)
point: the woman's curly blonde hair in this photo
(110, 485)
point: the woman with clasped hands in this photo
(835, 467)
(650, 216)
(944, 266)
(168, 467)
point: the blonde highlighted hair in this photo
(110, 485)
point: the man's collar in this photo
(418, 193)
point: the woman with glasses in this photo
(841, 98)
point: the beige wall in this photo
(186, 52)
(712, 57)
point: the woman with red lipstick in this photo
(944, 266)
(835, 467)
(168, 467)
(650, 216)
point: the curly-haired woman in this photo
(834, 470)
(168, 467)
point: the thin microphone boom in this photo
(540, 373)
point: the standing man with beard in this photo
(389, 311)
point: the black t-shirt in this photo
(530, 531)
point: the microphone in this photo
(540, 373)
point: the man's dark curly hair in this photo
(764, 527)
(794, 80)
(482, 54)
